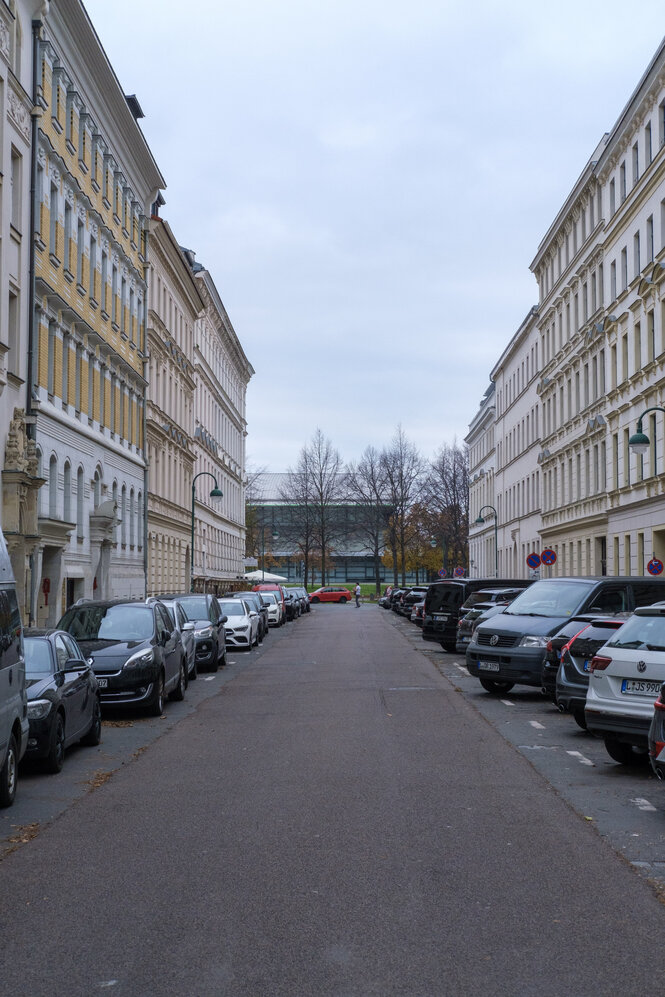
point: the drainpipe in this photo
(36, 113)
(146, 471)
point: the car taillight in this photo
(599, 663)
(659, 704)
(549, 647)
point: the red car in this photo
(331, 593)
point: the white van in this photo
(13, 700)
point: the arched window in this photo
(114, 495)
(97, 487)
(123, 516)
(79, 502)
(67, 489)
(131, 518)
(139, 521)
(53, 487)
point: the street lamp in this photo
(215, 493)
(481, 522)
(274, 534)
(639, 442)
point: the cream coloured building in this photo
(222, 373)
(175, 305)
(95, 183)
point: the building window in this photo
(622, 182)
(105, 277)
(68, 234)
(15, 180)
(624, 269)
(114, 294)
(661, 123)
(636, 254)
(636, 164)
(612, 197)
(79, 503)
(53, 221)
(13, 337)
(648, 152)
(638, 347)
(123, 516)
(65, 370)
(651, 335)
(649, 246)
(80, 229)
(613, 280)
(93, 268)
(67, 496)
(50, 386)
(53, 487)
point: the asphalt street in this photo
(336, 819)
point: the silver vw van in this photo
(13, 700)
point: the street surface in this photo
(338, 817)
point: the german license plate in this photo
(640, 687)
(439, 616)
(102, 683)
(488, 666)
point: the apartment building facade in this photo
(95, 182)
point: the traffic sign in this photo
(443, 573)
(533, 560)
(654, 567)
(548, 556)
(459, 571)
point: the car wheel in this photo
(156, 707)
(580, 719)
(178, 693)
(625, 754)
(9, 774)
(94, 735)
(343, 599)
(56, 755)
(315, 599)
(496, 688)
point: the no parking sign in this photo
(548, 556)
(533, 560)
(654, 567)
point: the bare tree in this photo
(298, 515)
(447, 491)
(404, 468)
(367, 489)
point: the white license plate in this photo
(102, 683)
(488, 666)
(640, 687)
(439, 616)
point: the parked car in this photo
(202, 609)
(395, 597)
(409, 598)
(292, 603)
(656, 736)
(302, 597)
(418, 612)
(575, 656)
(13, 699)
(255, 599)
(444, 600)
(242, 623)
(275, 587)
(275, 617)
(135, 651)
(626, 676)
(511, 647)
(186, 629)
(331, 593)
(384, 599)
(466, 625)
(63, 697)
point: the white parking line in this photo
(506, 702)
(209, 678)
(643, 804)
(581, 758)
(534, 723)
(461, 668)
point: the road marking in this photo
(643, 804)
(580, 757)
(534, 723)
(463, 670)
(506, 702)
(209, 678)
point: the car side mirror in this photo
(223, 619)
(188, 626)
(166, 636)
(75, 665)
(253, 614)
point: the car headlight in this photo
(204, 632)
(533, 640)
(140, 658)
(39, 709)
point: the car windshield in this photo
(37, 657)
(195, 608)
(109, 622)
(233, 608)
(641, 632)
(550, 597)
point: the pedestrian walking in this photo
(357, 595)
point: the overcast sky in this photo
(368, 181)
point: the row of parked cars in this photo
(111, 655)
(595, 646)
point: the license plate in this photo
(439, 616)
(640, 687)
(103, 683)
(488, 666)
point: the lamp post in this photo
(263, 549)
(481, 522)
(215, 493)
(639, 442)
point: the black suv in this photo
(134, 650)
(204, 611)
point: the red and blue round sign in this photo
(533, 560)
(443, 573)
(548, 556)
(459, 571)
(654, 567)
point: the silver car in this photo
(242, 626)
